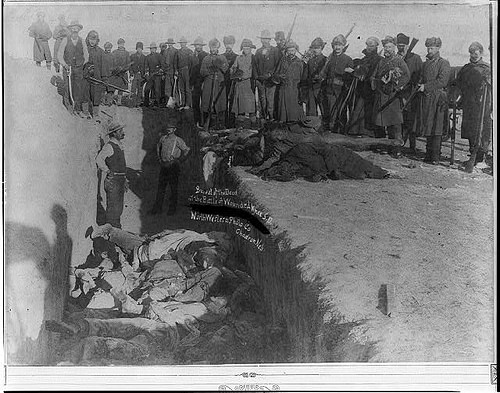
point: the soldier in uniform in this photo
(107, 69)
(390, 76)
(153, 73)
(72, 55)
(311, 81)
(471, 79)
(414, 63)
(168, 67)
(241, 73)
(137, 69)
(333, 76)
(265, 63)
(121, 64)
(60, 31)
(289, 74)
(93, 69)
(362, 123)
(111, 161)
(433, 117)
(213, 68)
(40, 31)
(182, 66)
(196, 78)
(228, 42)
(280, 39)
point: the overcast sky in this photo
(457, 24)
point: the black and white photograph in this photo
(249, 195)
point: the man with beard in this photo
(230, 56)
(182, 67)
(266, 61)
(137, 69)
(213, 68)
(471, 80)
(390, 76)
(311, 81)
(72, 55)
(40, 31)
(93, 69)
(414, 63)
(362, 119)
(153, 73)
(121, 62)
(289, 73)
(333, 76)
(433, 116)
(60, 32)
(168, 67)
(196, 78)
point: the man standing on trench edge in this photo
(111, 161)
(171, 152)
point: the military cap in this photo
(247, 43)
(170, 41)
(113, 127)
(108, 45)
(265, 34)
(198, 41)
(279, 35)
(339, 39)
(229, 39)
(183, 40)
(388, 40)
(433, 41)
(75, 23)
(214, 43)
(402, 39)
(374, 41)
(121, 41)
(317, 43)
(476, 46)
(93, 35)
(139, 45)
(291, 44)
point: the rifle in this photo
(469, 166)
(410, 48)
(70, 89)
(322, 72)
(453, 131)
(210, 102)
(278, 64)
(107, 84)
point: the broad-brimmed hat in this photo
(183, 40)
(113, 127)
(153, 45)
(340, 39)
(75, 23)
(229, 39)
(247, 43)
(170, 41)
(169, 127)
(433, 41)
(317, 43)
(388, 40)
(402, 39)
(198, 41)
(214, 43)
(265, 34)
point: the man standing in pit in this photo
(182, 66)
(171, 152)
(111, 161)
(40, 31)
(196, 79)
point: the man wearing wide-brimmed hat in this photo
(137, 70)
(121, 63)
(230, 56)
(310, 80)
(111, 161)
(265, 62)
(168, 56)
(241, 75)
(196, 78)
(390, 76)
(153, 74)
(213, 98)
(183, 62)
(72, 55)
(40, 31)
(432, 118)
(60, 31)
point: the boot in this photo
(413, 144)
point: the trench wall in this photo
(50, 199)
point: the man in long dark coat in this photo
(197, 79)
(60, 32)
(40, 31)
(213, 68)
(471, 80)
(168, 57)
(153, 72)
(137, 70)
(230, 56)
(107, 69)
(414, 63)
(333, 75)
(182, 67)
(289, 73)
(433, 117)
(390, 77)
(121, 63)
(94, 69)
(311, 80)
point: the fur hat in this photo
(340, 39)
(121, 41)
(279, 35)
(247, 43)
(170, 41)
(372, 40)
(476, 46)
(153, 45)
(388, 40)
(229, 39)
(433, 41)
(214, 43)
(265, 34)
(108, 45)
(139, 45)
(317, 43)
(402, 39)
(92, 35)
(291, 44)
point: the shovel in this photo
(171, 100)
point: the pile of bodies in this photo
(175, 297)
